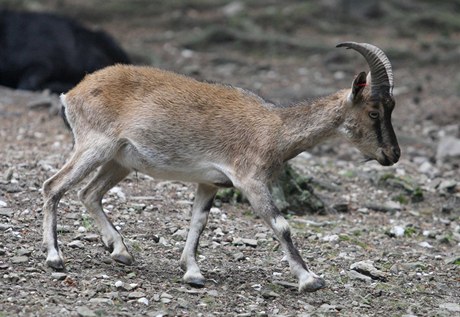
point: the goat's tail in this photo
(64, 116)
(62, 112)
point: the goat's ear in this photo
(357, 87)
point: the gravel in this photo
(389, 244)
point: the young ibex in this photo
(129, 118)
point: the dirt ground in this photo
(402, 221)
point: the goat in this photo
(47, 51)
(133, 118)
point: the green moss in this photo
(410, 231)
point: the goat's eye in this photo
(374, 114)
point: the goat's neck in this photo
(309, 123)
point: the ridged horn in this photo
(380, 66)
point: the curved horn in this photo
(380, 66)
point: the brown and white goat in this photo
(130, 118)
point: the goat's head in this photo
(369, 107)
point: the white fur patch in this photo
(280, 224)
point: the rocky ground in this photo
(391, 246)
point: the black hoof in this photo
(123, 259)
(196, 282)
(57, 265)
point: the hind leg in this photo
(75, 170)
(110, 174)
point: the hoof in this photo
(123, 258)
(57, 264)
(195, 281)
(312, 283)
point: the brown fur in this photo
(170, 126)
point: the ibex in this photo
(133, 118)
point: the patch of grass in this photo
(410, 232)
(353, 240)
(344, 237)
(457, 262)
(401, 198)
(136, 246)
(414, 191)
(86, 221)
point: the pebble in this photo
(452, 260)
(354, 275)
(143, 300)
(3, 203)
(5, 226)
(239, 256)
(101, 300)
(76, 244)
(119, 284)
(453, 307)
(180, 235)
(269, 294)
(58, 276)
(135, 295)
(327, 308)
(250, 242)
(19, 259)
(7, 212)
(91, 237)
(425, 244)
(366, 267)
(397, 231)
(331, 238)
(84, 311)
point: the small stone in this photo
(269, 294)
(156, 297)
(354, 275)
(331, 238)
(397, 231)
(91, 237)
(131, 286)
(250, 242)
(119, 284)
(164, 242)
(239, 256)
(452, 307)
(25, 252)
(76, 244)
(81, 229)
(180, 235)
(452, 260)
(166, 295)
(19, 259)
(447, 185)
(3, 203)
(5, 226)
(367, 268)
(165, 300)
(213, 293)
(425, 244)
(143, 300)
(327, 308)
(135, 295)
(58, 276)
(101, 300)
(84, 311)
(183, 303)
(6, 212)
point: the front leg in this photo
(203, 202)
(260, 198)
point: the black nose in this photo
(396, 153)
